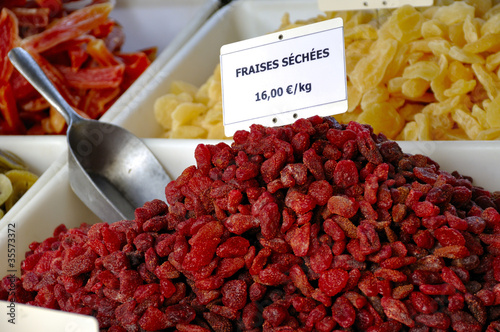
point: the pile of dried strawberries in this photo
(78, 46)
(313, 226)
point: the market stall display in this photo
(321, 225)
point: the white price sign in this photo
(336, 5)
(276, 78)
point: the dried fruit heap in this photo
(312, 226)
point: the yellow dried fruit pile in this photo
(412, 73)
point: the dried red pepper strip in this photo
(55, 6)
(35, 104)
(104, 29)
(69, 27)
(113, 38)
(65, 46)
(100, 53)
(13, 124)
(57, 79)
(135, 65)
(150, 53)
(93, 78)
(21, 88)
(97, 101)
(77, 56)
(75, 49)
(32, 17)
(8, 38)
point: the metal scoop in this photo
(111, 170)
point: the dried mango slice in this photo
(489, 42)
(370, 70)
(423, 127)
(464, 56)
(493, 61)
(490, 82)
(454, 13)
(460, 87)
(471, 30)
(441, 82)
(457, 71)
(467, 122)
(376, 95)
(384, 118)
(493, 112)
(353, 97)
(433, 28)
(187, 113)
(439, 46)
(405, 24)
(362, 31)
(409, 110)
(480, 115)
(415, 87)
(489, 134)
(409, 132)
(165, 106)
(492, 25)
(426, 70)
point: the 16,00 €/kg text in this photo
(291, 89)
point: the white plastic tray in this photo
(167, 25)
(148, 23)
(196, 60)
(55, 202)
(39, 154)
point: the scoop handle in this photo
(29, 68)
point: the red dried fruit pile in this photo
(78, 49)
(313, 226)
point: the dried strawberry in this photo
(331, 282)
(396, 310)
(343, 312)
